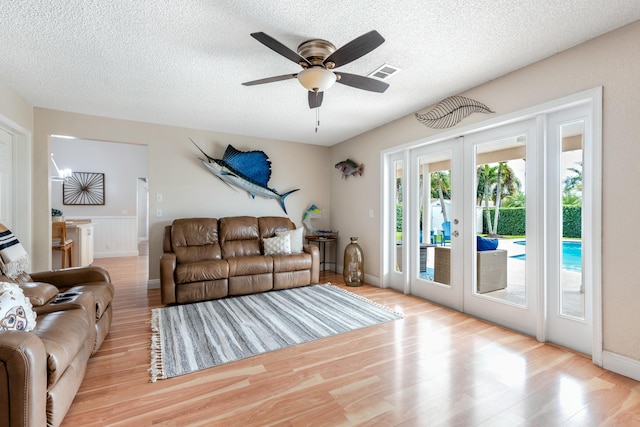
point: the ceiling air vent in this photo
(384, 72)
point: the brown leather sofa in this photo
(41, 371)
(210, 258)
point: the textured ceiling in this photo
(182, 62)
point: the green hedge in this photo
(512, 221)
(572, 221)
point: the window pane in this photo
(399, 214)
(572, 288)
(435, 217)
(500, 220)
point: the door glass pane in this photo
(572, 287)
(399, 214)
(500, 220)
(435, 217)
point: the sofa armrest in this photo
(68, 277)
(23, 380)
(167, 278)
(85, 301)
(315, 262)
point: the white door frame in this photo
(560, 328)
(22, 172)
(592, 98)
(390, 277)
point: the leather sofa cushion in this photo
(244, 285)
(250, 265)
(195, 239)
(201, 291)
(239, 236)
(270, 224)
(63, 334)
(102, 291)
(293, 262)
(39, 293)
(201, 271)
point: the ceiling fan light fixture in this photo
(316, 79)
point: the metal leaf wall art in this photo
(450, 111)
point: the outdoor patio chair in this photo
(446, 232)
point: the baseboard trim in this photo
(115, 254)
(153, 284)
(372, 280)
(622, 365)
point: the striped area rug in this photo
(191, 337)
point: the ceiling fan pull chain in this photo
(317, 118)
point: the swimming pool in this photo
(571, 255)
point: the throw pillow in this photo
(16, 313)
(296, 237)
(279, 245)
(13, 258)
(484, 244)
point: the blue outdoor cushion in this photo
(484, 244)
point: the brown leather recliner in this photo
(209, 258)
(41, 371)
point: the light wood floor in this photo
(436, 367)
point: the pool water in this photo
(571, 255)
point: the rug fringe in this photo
(155, 368)
(365, 299)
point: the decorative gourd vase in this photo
(353, 270)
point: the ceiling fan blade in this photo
(315, 99)
(270, 79)
(362, 82)
(278, 47)
(356, 48)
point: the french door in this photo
(503, 285)
(530, 187)
(434, 213)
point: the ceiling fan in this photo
(318, 58)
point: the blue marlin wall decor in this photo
(247, 170)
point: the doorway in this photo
(485, 217)
(122, 219)
(15, 191)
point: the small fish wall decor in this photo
(450, 111)
(247, 170)
(349, 168)
(312, 213)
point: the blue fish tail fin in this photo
(282, 196)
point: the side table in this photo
(322, 241)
